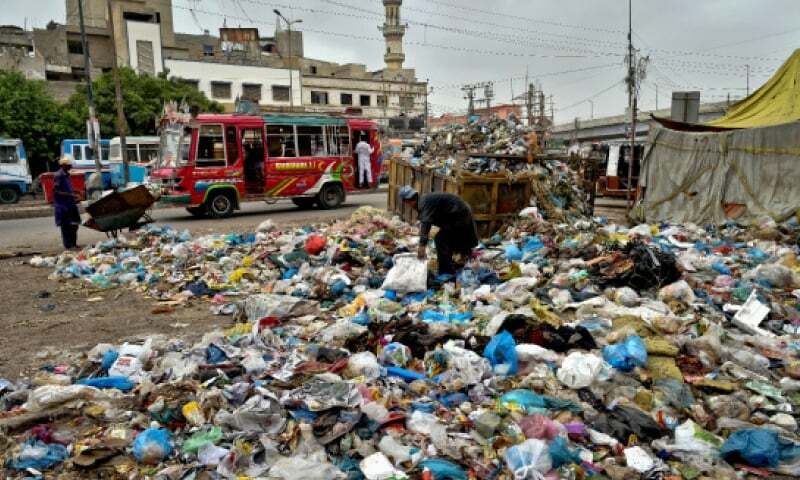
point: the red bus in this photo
(211, 163)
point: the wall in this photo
(206, 72)
(335, 86)
(144, 31)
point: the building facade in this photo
(238, 63)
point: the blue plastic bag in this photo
(109, 358)
(626, 355)
(560, 453)
(443, 469)
(758, 447)
(118, 382)
(152, 446)
(513, 253)
(502, 354)
(39, 455)
(531, 402)
(721, 268)
(405, 374)
(534, 244)
(215, 355)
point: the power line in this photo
(542, 75)
(592, 97)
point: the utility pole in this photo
(469, 92)
(748, 79)
(89, 95)
(591, 109)
(529, 104)
(488, 94)
(427, 91)
(118, 98)
(631, 104)
(291, 58)
(656, 96)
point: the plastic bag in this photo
(560, 454)
(193, 413)
(531, 402)
(528, 458)
(378, 467)
(502, 354)
(38, 455)
(314, 244)
(363, 364)
(758, 447)
(49, 396)
(692, 438)
(202, 438)
(409, 274)
(398, 452)
(539, 426)
(120, 383)
(679, 290)
(627, 355)
(579, 370)
(152, 446)
(396, 354)
(443, 470)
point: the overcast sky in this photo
(573, 48)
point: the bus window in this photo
(147, 152)
(210, 146)
(344, 141)
(280, 141)
(310, 142)
(232, 146)
(77, 152)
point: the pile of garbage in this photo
(558, 351)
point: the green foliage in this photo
(28, 112)
(143, 99)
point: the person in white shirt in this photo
(364, 150)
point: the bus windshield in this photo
(174, 148)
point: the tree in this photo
(28, 112)
(143, 98)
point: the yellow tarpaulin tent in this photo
(775, 103)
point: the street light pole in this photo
(291, 57)
(89, 93)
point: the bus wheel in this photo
(220, 205)
(197, 212)
(8, 195)
(304, 202)
(331, 196)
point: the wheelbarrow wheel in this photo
(198, 212)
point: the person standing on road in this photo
(65, 203)
(457, 230)
(364, 150)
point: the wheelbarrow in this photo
(118, 210)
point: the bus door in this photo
(252, 149)
(371, 137)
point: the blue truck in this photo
(15, 177)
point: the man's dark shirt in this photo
(443, 210)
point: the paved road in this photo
(41, 234)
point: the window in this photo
(381, 100)
(346, 99)
(148, 153)
(281, 93)
(221, 90)
(365, 100)
(210, 146)
(252, 92)
(77, 152)
(313, 70)
(338, 140)
(75, 47)
(133, 152)
(116, 152)
(319, 98)
(407, 102)
(232, 146)
(146, 61)
(190, 83)
(280, 141)
(8, 154)
(208, 50)
(310, 141)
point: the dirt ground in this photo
(45, 321)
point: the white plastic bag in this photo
(529, 459)
(409, 274)
(579, 370)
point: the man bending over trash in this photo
(457, 230)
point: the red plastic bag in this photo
(315, 244)
(539, 426)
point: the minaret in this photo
(393, 32)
